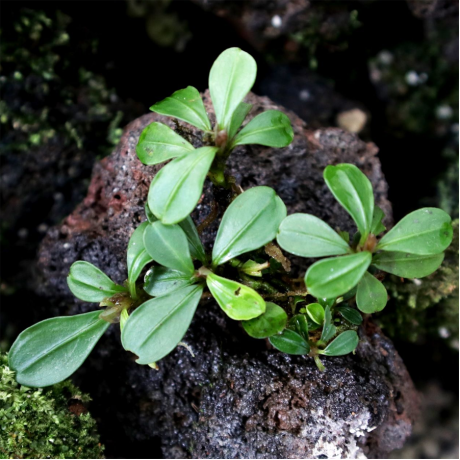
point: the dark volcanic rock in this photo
(234, 398)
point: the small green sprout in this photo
(154, 315)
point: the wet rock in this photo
(234, 398)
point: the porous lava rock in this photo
(234, 397)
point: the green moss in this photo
(44, 423)
(426, 307)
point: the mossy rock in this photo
(45, 423)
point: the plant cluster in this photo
(246, 269)
(50, 423)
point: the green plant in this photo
(50, 423)
(246, 269)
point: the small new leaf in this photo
(251, 221)
(299, 324)
(269, 323)
(50, 351)
(333, 277)
(271, 128)
(186, 105)
(371, 295)
(377, 226)
(158, 143)
(238, 301)
(351, 315)
(316, 312)
(307, 236)
(168, 246)
(90, 284)
(155, 328)
(238, 117)
(425, 231)
(177, 187)
(161, 280)
(196, 248)
(290, 342)
(407, 265)
(329, 330)
(345, 343)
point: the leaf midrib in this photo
(402, 238)
(242, 135)
(342, 272)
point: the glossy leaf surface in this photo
(377, 226)
(351, 315)
(316, 312)
(345, 343)
(290, 342)
(238, 117)
(161, 280)
(307, 236)
(186, 105)
(407, 265)
(353, 190)
(425, 231)
(168, 246)
(269, 323)
(330, 278)
(158, 143)
(238, 301)
(231, 78)
(52, 350)
(299, 324)
(177, 187)
(90, 284)
(155, 328)
(329, 330)
(371, 295)
(137, 257)
(271, 128)
(251, 221)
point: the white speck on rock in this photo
(277, 21)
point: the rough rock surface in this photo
(234, 398)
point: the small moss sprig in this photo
(246, 273)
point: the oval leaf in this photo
(238, 117)
(271, 128)
(299, 324)
(90, 284)
(50, 351)
(161, 280)
(238, 301)
(345, 343)
(333, 277)
(307, 236)
(329, 330)
(269, 323)
(158, 143)
(290, 342)
(137, 257)
(158, 325)
(251, 221)
(316, 312)
(186, 105)
(425, 231)
(168, 246)
(353, 190)
(177, 187)
(351, 315)
(407, 265)
(196, 248)
(371, 295)
(231, 78)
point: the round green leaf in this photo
(185, 104)
(90, 284)
(425, 231)
(231, 78)
(161, 280)
(307, 236)
(333, 277)
(345, 343)
(158, 325)
(177, 187)
(407, 265)
(238, 301)
(158, 143)
(351, 315)
(52, 350)
(371, 295)
(137, 257)
(316, 312)
(353, 190)
(271, 128)
(290, 342)
(168, 246)
(251, 221)
(269, 323)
